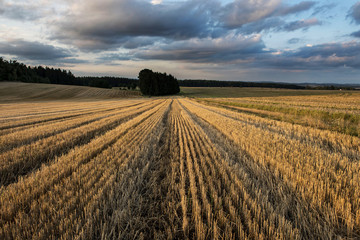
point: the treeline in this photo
(108, 82)
(331, 87)
(157, 84)
(15, 71)
(213, 83)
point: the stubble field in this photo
(200, 168)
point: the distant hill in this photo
(18, 91)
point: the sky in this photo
(238, 40)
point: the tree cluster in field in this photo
(157, 84)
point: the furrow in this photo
(18, 196)
(130, 179)
(20, 161)
(9, 141)
(10, 124)
(238, 192)
(304, 170)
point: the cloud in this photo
(18, 11)
(294, 40)
(355, 12)
(277, 24)
(226, 49)
(323, 8)
(66, 61)
(241, 12)
(107, 25)
(92, 25)
(250, 53)
(33, 50)
(258, 16)
(292, 26)
(137, 42)
(318, 57)
(355, 34)
(156, 2)
(348, 49)
(26, 10)
(300, 7)
(262, 25)
(111, 57)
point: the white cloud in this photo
(155, 2)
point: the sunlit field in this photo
(280, 166)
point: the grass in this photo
(342, 122)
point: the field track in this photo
(174, 168)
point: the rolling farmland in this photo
(201, 168)
(19, 91)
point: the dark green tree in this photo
(157, 84)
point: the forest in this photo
(15, 71)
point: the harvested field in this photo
(19, 91)
(178, 168)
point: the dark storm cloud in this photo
(33, 50)
(109, 23)
(355, 12)
(94, 26)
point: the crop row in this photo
(343, 121)
(176, 169)
(24, 158)
(55, 200)
(322, 170)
